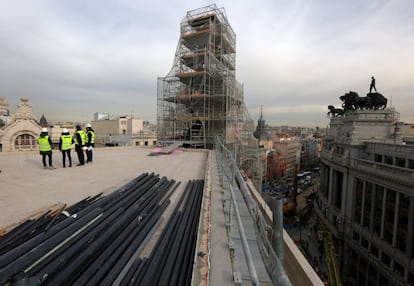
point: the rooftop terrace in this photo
(27, 189)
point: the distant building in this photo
(4, 107)
(5, 117)
(55, 131)
(101, 116)
(407, 131)
(275, 162)
(123, 131)
(289, 148)
(275, 165)
(20, 130)
(366, 197)
(21, 133)
(310, 153)
(118, 126)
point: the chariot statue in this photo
(373, 100)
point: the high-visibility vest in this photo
(66, 142)
(44, 143)
(92, 137)
(82, 136)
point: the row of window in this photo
(365, 274)
(395, 161)
(376, 208)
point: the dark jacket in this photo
(43, 134)
(89, 137)
(78, 140)
(60, 140)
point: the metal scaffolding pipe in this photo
(157, 256)
(177, 251)
(137, 277)
(129, 277)
(109, 260)
(36, 251)
(191, 226)
(22, 233)
(47, 269)
(25, 247)
(160, 259)
(81, 249)
(77, 265)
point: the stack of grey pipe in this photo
(99, 241)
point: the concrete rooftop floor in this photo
(27, 188)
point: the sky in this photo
(294, 58)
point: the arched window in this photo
(25, 142)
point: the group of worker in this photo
(84, 142)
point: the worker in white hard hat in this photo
(80, 140)
(65, 145)
(45, 148)
(90, 142)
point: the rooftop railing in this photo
(231, 176)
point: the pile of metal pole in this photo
(171, 261)
(98, 240)
(34, 226)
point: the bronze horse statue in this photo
(377, 100)
(352, 101)
(335, 112)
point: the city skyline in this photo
(72, 59)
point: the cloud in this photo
(74, 58)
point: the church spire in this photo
(261, 132)
(43, 121)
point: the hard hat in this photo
(44, 129)
(88, 125)
(64, 130)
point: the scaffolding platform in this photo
(201, 87)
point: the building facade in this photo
(407, 131)
(275, 166)
(123, 131)
(310, 153)
(289, 148)
(366, 197)
(5, 117)
(21, 133)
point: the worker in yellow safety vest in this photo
(45, 148)
(80, 140)
(65, 145)
(90, 142)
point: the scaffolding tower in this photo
(200, 98)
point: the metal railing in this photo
(231, 176)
